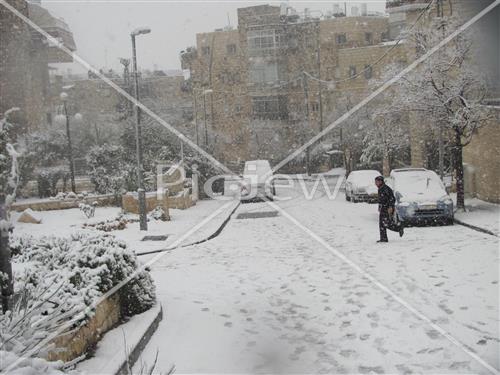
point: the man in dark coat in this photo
(386, 203)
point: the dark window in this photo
(341, 38)
(369, 38)
(269, 107)
(231, 49)
(205, 50)
(315, 107)
(368, 71)
(352, 71)
(385, 36)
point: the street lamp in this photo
(65, 119)
(141, 193)
(205, 92)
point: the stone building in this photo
(262, 89)
(24, 59)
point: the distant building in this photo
(24, 59)
(257, 89)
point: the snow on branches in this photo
(60, 280)
(9, 176)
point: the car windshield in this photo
(364, 178)
(422, 183)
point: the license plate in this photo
(428, 207)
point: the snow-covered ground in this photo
(481, 214)
(65, 222)
(264, 296)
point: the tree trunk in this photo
(386, 168)
(5, 261)
(459, 171)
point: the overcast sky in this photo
(101, 28)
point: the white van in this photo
(257, 181)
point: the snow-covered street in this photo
(264, 296)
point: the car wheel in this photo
(347, 197)
(354, 199)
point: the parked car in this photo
(420, 196)
(360, 186)
(257, 183)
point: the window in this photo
(337, 73)
(205, 51)
(263, 71)
(352, 71)
(231, 49)
(385, 36)
(341, 38)
(263, 41)
(368, 71)
(315, 106)
(369, 38)
(269, 107)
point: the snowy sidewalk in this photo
(481, 214)
(63, 223)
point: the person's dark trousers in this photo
(385, 222)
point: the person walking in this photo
(386, 203)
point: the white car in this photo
(257, 181)
(360, 186)
(420, 196)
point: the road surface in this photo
(264, 296)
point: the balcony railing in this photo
(397, 3)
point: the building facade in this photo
(266, 87)
(24, 62)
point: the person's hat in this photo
(379, 178)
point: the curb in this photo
(473, 227)
(135, 352)
(218, 231)
(208, 238)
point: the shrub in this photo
(88, 265)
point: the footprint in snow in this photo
(228, 324)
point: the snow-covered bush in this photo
(29, 366)
(88, 209)
(87, 265)
(109, 225)
(108, 169)
(158, 214)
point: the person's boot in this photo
(379, 241)
(401, 231)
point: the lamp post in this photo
(141, 193)
(205, 92)
(66, 120)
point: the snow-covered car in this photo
(360, 186)
(420, 196)
(257, 183)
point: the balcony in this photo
(398, 3)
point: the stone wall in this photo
(481, 156)
(53, 204)
(77, 343)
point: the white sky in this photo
(101, 28)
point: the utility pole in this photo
(306, 109)
(320, 94)
(141, 193)
(440, 13)
(70, 149)
(205, 118)
(196, 118)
